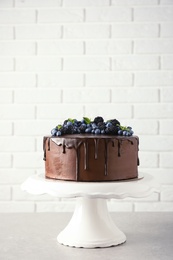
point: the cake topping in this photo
(97, 126)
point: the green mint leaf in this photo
(71, 120)
(87, 120)
(59, 127)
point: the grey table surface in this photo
(33, 236)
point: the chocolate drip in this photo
(96, 142)
(106, 157)
(86, 155)
(44, 148)
(48, 144)
(119, 148)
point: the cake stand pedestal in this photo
(91, 224)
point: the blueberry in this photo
(88, 130)
(69, 123)
(120, 132)
(94, 126)
(102, 132)
(124, 133)
(58, 133)
(131, 132)
(97, 131)
(108, 124)
(53, 131)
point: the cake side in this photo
(87, 157)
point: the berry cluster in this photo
(97, 126)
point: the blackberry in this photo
(82, 128)
(98, 119)
(65, 122)
(101, 125)
(114, 122)
(71, 129)
(111, 130)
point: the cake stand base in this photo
(91, 226)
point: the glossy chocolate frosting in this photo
(87, 157)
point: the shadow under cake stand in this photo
(91, 224)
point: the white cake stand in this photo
(91, 224)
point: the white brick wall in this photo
(74, 58)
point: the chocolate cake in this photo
(91, 151)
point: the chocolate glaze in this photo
(84, 145)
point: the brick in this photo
(6, 127)
(166, 29)
(35, 95)
(6, 64)
(156, 143)
(166, 126)
(153, 111)
(16, 16)
(135, 30)
(60, 79)
(154, 78)
(28, 160)
(61, 111)
(134, 95)
(85, 3)
(20, 80)
(134, 2)
(38, 64)
(166, 94)
(88, 95)
(151, 126)
(108, 110)
(60, 47)
(6, 32)
(153, 14)
(148, 159)
(161, 176)
(87, 63)
(135, 62)
(30, 32)
(39, 127)
(166, 2)
(166, 160)
(108, 47)
(39, 139)
(167, 193)
(37, 3)
(7, 3)
(6, 96)
(60, 15)
(5, 192)
(17, 48)
(17, 144)
(153, 46)
(108, 14)
(15, 176)
(86, 31)
(167, 62)
(17, 112)
(108, 79)
(5, 160)
(17, 206)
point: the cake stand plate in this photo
(91, 224)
